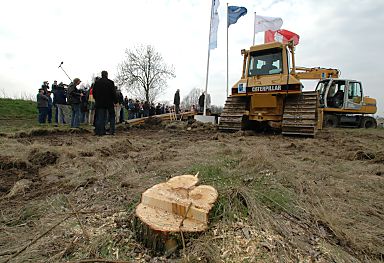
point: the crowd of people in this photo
(99, 105)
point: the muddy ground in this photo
(70, 196)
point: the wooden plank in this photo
(164, 117)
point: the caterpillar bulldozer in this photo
(269, 95)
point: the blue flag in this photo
(234, 13)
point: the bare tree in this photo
(217, 109)
(144, 73)
(3, 93)
(192, 98)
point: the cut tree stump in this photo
(169, 208)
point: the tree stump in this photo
(170, 209)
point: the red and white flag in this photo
(264, 23)
(282, 35)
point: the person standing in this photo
(42, 106)
(118, 105)
(54, 86)
(176, 101)
(45, 87)
(59, 101)
(137, 109)
(91, 106)
(131, 109)
(201, 102)
(163, 108)
(84, 106)
(50, 104)
(104, 94)
(158, 109)
(146, 107)
(74, 99)
(122, 116)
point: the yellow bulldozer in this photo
(270, 95)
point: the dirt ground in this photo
(70, 196)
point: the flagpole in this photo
(209, 54)
(227, 50)
(254, 29)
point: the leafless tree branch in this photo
(144, 73)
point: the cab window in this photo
(266, 62)
(355, 92)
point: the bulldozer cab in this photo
(265, 62)
(340, 94)
(266, 71)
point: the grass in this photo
(16, 115)
(20, 109)
(22, 115)
(27, 214)
(281, 191)
(241, 192)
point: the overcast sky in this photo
(90, 36)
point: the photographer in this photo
(60, 102)
(84, 106)
(74, 99)
(42, 106)
(45, 87)
(54, 86)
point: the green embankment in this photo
(16, 115)
(17, 109)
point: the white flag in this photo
(264, 23)
(214, 25)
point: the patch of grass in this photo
(278, 199)
(20, 109)
(131, 205)
(15, 125)
(208, 173)
(230, 163)
(108, 246)
(20, 115)
(34, 211)
(25, 215)
(241, 193)
(57, 203)
(16, 115)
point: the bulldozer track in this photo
(232, 115)
(300, 114)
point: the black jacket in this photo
(74, 95)
(104, 93)
(59, 95)
(201, 100)
(45, 88)
(120, 98)
(176, 100)
(42, 101)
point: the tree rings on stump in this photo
(166, 209)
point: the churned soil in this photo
(70, 196)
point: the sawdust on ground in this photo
(283, 199)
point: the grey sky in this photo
(90, 36)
